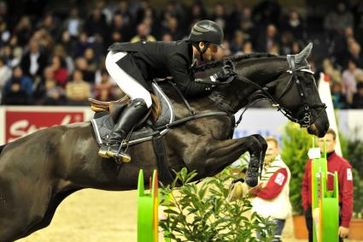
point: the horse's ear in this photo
(304, 54)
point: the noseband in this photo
(304, 115)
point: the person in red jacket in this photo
(345, 180)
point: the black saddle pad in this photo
(103, 125)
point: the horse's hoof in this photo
(252, 181)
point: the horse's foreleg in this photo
(215, 156)
(256, 162)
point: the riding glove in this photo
(226, 72)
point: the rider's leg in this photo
(137, 109)
(131, 115)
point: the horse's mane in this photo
(235, 58)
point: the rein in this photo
(193, 115)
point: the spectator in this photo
(336, 21)
(172, 28)
(103, 90)
(354, 52)
(34, 60)
(92, 63)
(73, 23)
(48, 92)
(237, 41)
(143, 34)
(331, 74)
(77, 90)
(120, 31)
(45, 40)
(23, 30)
(96, 24)
(358, 97)
(60, 71)
(167, 37)
(338, 97)
(81, 45)
(271, 195)
(349, 80)
(286, 43)
(5, 73)
(197, 12)
(87, 73)
(4, 32)
(68, 43)
(268, 40)
(219, 15)
(267, 12)
(294, 25)
(50, 24)
(18, 89)
(247, 48)
(68, 60)
(337, 164)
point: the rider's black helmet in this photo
(206, 31)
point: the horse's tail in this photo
(1, 148)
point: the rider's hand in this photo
(226, 72)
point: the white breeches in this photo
(126, 82)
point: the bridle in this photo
(304, 115)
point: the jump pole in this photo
(147, 209)
(325, 203)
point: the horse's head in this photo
(296, 94)
(287, 81)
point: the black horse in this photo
(38, 171)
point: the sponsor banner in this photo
(21, 121)
(16, 122)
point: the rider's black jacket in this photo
(148, 60)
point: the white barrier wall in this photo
(18, 121)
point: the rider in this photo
(132, 64)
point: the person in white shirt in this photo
(270, 198)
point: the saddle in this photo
(107, 113)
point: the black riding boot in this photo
(130, 116)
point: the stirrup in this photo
(119, 156)
(124, 157)
(102, 152)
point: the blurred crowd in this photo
(52, 52)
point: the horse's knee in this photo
(261, 140)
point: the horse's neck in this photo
(181, 109)
(254, 74)
(262, 71)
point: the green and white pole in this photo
(147, 210)
(325, 203)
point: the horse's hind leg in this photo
(11, 228)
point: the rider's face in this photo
(210, 52)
